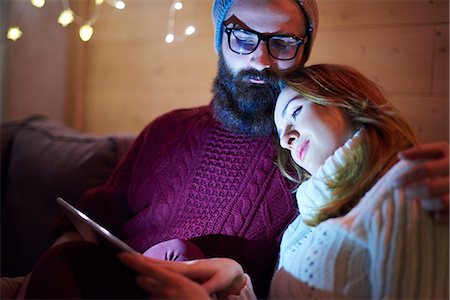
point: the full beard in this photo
(242, 106)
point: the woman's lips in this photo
(302, 150)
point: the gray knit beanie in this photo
(309, 7)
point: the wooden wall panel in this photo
(441, 55)
(428, 115)
(375, 13)
(126, 75)
(35, 73)
(134, 76)
(75, 69)
(392, 57)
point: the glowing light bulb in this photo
(38, 3)
(120, 4)
(189, 30)
(99, 2)
(178, 5)
(86, 31)
(66, 17)
(170, 38)
(14, 33)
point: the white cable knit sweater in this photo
(385, 247)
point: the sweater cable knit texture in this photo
(186, 177)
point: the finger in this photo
(435, 205)
(426, 151)
(438, 187)
(194, 269)
(142, 265)
(132, 260)
(158, 272)
(141, 260)
(149, 284)
(187, 268)
(428, 189)
(161, 274)
(213, 285)
(227, 285)
(424, 170)
(178, 266)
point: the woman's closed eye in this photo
(296, 112)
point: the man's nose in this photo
(261, 58)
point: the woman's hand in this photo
(430, 177)
(196, 279)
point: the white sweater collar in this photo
(314, 193)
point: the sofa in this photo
(42, 159)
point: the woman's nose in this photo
(287, 139)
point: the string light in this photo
(14, 33)
(86, 31)
(189, 30)
(38, 3)
(68, 16)
(170, 36)
(119, 5)
(178, 5)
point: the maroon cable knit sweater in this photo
(187, 177)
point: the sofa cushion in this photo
(48, 159)
(8, 132)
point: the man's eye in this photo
(243, 35)
(247, 41)
(297, 112)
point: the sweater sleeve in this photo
(408, 249)
(107, 204)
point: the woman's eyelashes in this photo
(296, 112)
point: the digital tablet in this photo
(92, 231)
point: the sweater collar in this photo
(314, 193)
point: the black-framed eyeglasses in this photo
(245, 41)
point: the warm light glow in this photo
(66, 17)
(38, 3)
(178, 5)
(170, 38)
(189, 30)
(99, 2)
(14, 33)
(86, 31)
(120, 4)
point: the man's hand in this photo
(195, 279)
(162, 282)
(429, 178)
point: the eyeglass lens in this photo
(280, 47)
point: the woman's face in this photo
(311, 132)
